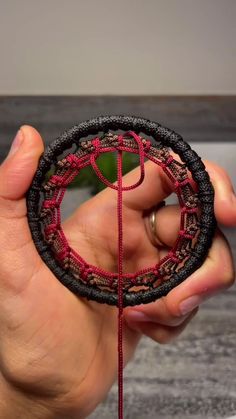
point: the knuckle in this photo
(12, 209)
(223, 266)
(164, 335)
(228, 277)
(167, 334)
(176, 321)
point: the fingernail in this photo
(186, 306)
(138, 316)
(18, 140)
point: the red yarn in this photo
(120, 188)
(120, 285)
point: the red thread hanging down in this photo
(120, 188)
(120, 285)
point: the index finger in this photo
(157, 186)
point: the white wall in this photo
(117, 47)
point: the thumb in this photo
(16, 174)
(17, 171)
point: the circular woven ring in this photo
(161, 138)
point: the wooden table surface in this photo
(194, 377)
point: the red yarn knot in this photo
(57, 180)
(184, 182)
(120, 140)
(73, 160)
(94, 155)
(162, 164)
(178, 184)
(166, 163)
(64, 253)
(84, 271)
(51, 228)
(189, 210)
(185, 235)
(173, 257)
(146, 144)
(87, 271)
(169, 160)
(50, 203)
(97, 146)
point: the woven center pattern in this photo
(54, 188)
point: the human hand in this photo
(55, 346)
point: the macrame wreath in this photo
(149, 140)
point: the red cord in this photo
(120, 285)
(120, 188)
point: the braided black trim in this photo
(160, 134)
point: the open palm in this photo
(58, 350)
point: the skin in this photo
(58, 352)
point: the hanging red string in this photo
(120, 188)
(120, 286)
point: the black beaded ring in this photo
(177, 266)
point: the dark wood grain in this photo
(200, 118)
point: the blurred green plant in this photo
(107, 163)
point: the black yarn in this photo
(159, 133)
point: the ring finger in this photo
(167, 224)
(215, 274)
